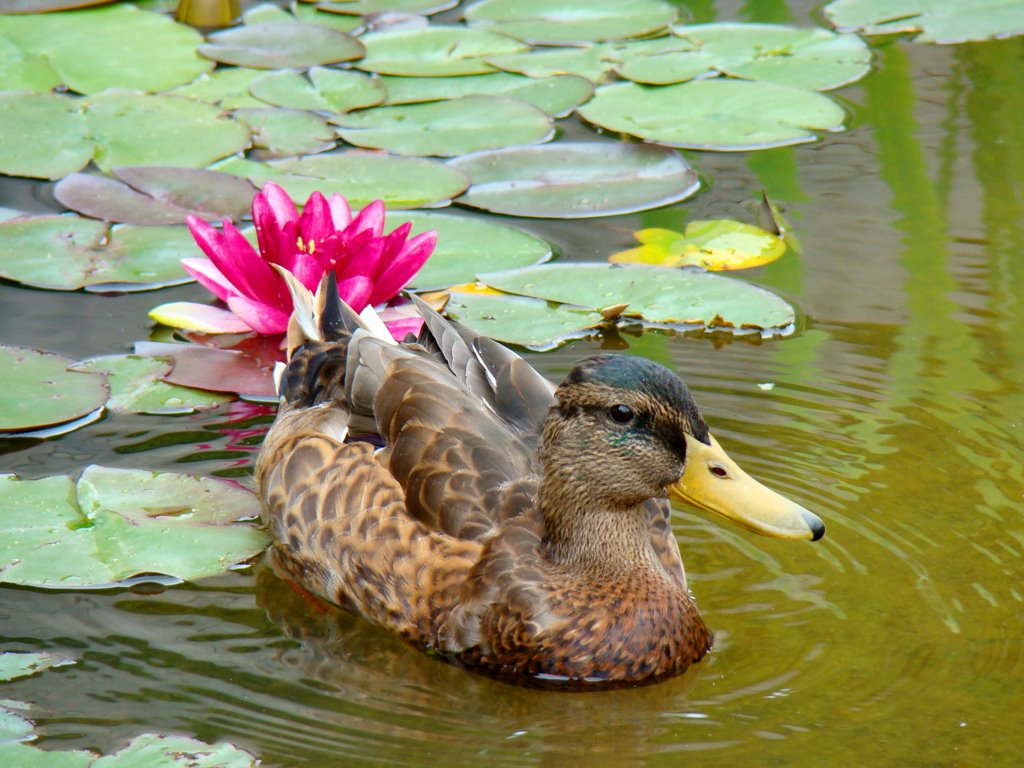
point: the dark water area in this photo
(896, 414)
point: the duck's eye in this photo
(623, 414)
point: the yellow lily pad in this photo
(716, 245)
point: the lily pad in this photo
(458, 257)
(362, 177)
(937, 21)
(807, 58)
(136, 386)
(204, 318)
(37, 390)
(717, 114)
(137, 129)
(365, 7)
(435, 51)
(20, 71)
(589, 61)
(554, 22)
(716, 245)
(287, 132)
(45, 136)
(531, 323)
(323, 90)
(45, 6)
(285, 44)
(65, 253)
(228, 87)
(556, 96)
(213, 369)
(113, 524)
(110, 47)
(447, 128)
(321, 13)
(150, 750)
(156, 195)
(576, 180)
(14, 665)
(672, 297)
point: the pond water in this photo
(896, 414)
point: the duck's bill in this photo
(714, 482)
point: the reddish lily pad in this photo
(366, 7)
(276, 45)
(37, 390)
(46, 6)
(156, 195)
(214, 369)
(559, 22)
(447, 128)
(435, 51)
(65, 253)
(576, 180)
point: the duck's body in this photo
(516, 528)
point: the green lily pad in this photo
(113, 524)
(136, 386)
(807, 58)
(435, 51)
(716, 245)
(65, 253)
(446, 128)
(365, 7)
(285, 44)
(150, 750)
(138, 129)
(673, 297)
(110, 47)
(589, 61)
(156, 195)
(937, 21)
(228, 87)
(458, 257)
(14, 665)
(324, 90)
(556, 96)
(555, 22)
(362, 177)
(37, 390)
(45, 136)
(576, 180)
(322, 14)
(20, 71)
(287, 132)
(531, 323)
(13, 726)
(717, 114)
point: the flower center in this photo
(305, 247)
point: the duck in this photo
(445, 490)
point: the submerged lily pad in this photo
(716, 245)
(435, 51)
(136, 386)
(447, 128)
(156, 195)
(672, 297)
(520, 320)
(459, 257)
(937, 21)
(14, 665)
(572, 21)
(110, 47)
(65, 253)
(576, 180)
(322, 89)
(113, 524)
(807, 58)
(557, 96)
(37, 390)
(285, 44)
(717, 114)
(362, 177)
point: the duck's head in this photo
(625, 429)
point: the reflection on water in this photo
(896, 415)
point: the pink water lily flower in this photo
(371, 267)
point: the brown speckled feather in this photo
(457, 533)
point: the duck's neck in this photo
(584, 534)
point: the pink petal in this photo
(362, 256)
(403, 267)
(307, 270)
(208, 276)
(272, 212)
(315, 223)
(260, 317)
(355, 291)
(249, 273)
(340, 211)
(370, 218)
(401, 328)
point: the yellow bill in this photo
(714, 482)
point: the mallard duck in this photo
(445, 490)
